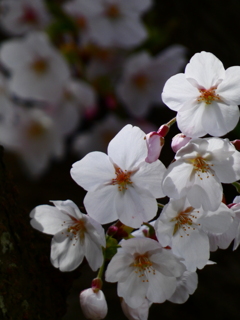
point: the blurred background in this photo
(67, 87)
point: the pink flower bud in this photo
(94, 305)
(155, 143)
(179, 141)
(236, 144)
(163, 130)
(96, 284)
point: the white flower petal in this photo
(93, 171)
(48, 219)
(128, 148)
(206, 69)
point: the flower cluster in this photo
(55, 83)
(154, 256)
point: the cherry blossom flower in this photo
(144, 77)
(75, 235)
(21, 16)
(206, 96)
(199, 169)
(185, 228)
(93, 304)
(118, 23)
(38, 71)
(121, 185)
(144, 269)
(186, 285)
(82, 11)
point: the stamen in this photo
(208, 96)
(185, 221)
(200, 166)
(112, 11)
(140, 81)
(143, 266)
(40, 66)
(122, 179)
(35, 129)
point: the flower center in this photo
(40, 66)
(112, 11)
(143, 266)
(185, 220)
(200, 166)
(208, 96)
(78, 229)
(29, 15)
(35, 129)
(140, 81)
(122, 179)
(81, 22)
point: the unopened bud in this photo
(155, 143)
(93, 304)
(236, 144)
(179, 141)
(96, 284)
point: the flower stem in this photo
(171, 122)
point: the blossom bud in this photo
(155, 143)
(236, 144)
(179, 141)
(140, 313)
(96, 284)
(93, 304)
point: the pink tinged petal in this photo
(217, 221)
(119, 267)
(160, 287)
(48, 219)
(100, 204)
(134, 207)
(219, 118)
(179, 141)
(66, 253)
(128, 148)
(193, 248)
(149, 178)
(93, 252)
(93, 171)
(154, 144)
(190, 120)
(206, 69)
(178, 91)
(133, 290)
(229, 88)
(206, 192)
(176, 180)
